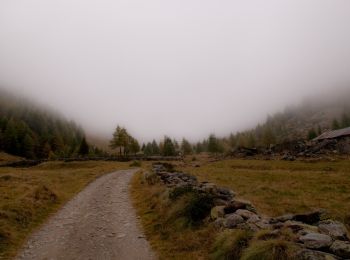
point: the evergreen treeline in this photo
(30, 131)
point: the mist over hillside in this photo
(32, 131)
(313, 116)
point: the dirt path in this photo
(99, 223)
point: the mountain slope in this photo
(32, 131)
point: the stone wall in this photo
(316, 237)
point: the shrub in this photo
(269, 250)
(198, 207)
(179, 191)
(135, 164)
(230, 244)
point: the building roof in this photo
(334, 134)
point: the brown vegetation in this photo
(29, 196)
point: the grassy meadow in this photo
(274, 187)
(279, 187)
(30, 195)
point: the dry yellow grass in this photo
(279, 187)
(8, 158)
(30, 195)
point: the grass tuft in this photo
(230, 244)
(270, 250)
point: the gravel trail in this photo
(99, 223)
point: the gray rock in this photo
(208, 187)
(232, 220)
(246, 214)
(282, 218)
(219, 222)
(307, 254)
(341, 248)
(316, 240)
(226, 192)
(253, 219)
(264, 223)
(237, 204)
(334, 229)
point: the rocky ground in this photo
(99, 223)
(315, 236)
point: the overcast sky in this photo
(181, 68)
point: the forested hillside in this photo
(303, 122)
(31, 131)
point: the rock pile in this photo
(316, 237)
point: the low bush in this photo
(198, 207)
(177, 192)
(135, 164)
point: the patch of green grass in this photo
(30, 195)
(280, 187)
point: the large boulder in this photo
(316, 240)
(334, 229)
(233, 220)
(341, 248)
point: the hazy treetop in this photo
(181, 68)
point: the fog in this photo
(180, 68)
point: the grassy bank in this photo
(274, 187)
(29, 196)
(167, 228)
(279, 187)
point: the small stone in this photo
(341, 248)
(121, 236)
(237, 204)
(316, 240)
(232, 220)
(334, 229)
